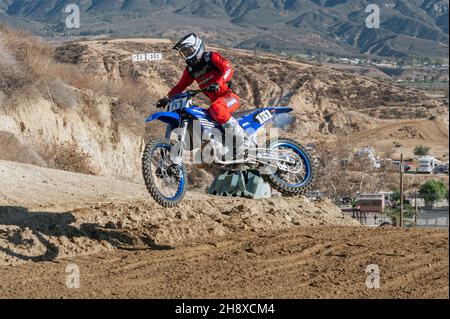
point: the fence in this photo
(426, 219)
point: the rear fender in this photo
(279, 110)
(261, 117)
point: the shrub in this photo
(68, 157)
(394, 213)
(397, 144)
(422, 150)
(13, 82)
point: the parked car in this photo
(440, 169)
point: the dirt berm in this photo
(125, 245)
(47, 214)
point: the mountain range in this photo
(408, 28)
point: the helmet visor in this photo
(187, 51)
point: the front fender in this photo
(166, 117)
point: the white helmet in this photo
(191, 48)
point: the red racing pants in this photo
(222, 108)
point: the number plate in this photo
(264, 116)
(177, 104)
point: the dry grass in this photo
(68, 157)
(340, 173)
(13, 81)
(27, 62)
(133, 93)
(31, 68)
(34, 64)
(11, 149)
(32, 52)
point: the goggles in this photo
(187, 51)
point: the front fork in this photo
(176, 154)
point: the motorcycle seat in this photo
(239, 114)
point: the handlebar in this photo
(193, 93)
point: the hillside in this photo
(408, 28)
(81, 106)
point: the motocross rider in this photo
(212, 72)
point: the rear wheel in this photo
(165, 181)
(292, 178)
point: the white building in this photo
(426, 164)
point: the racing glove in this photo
(162, 102)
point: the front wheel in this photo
(165, 181)
(296, 177)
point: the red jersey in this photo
(213, 68)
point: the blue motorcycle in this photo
(282, 162)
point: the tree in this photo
(422, 150)
(433, 191)
(396, 197)
(341, 174)
(394, 213)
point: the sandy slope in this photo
(127, 246)
(410, 133)
(47, 214)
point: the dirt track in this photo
(322, 262)
(127, 246)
